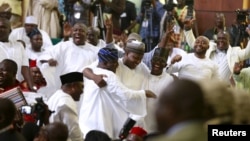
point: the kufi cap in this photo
(108, 54)
(71, 77)
(32, 63)
(162, 53)
(31, 20)
(134, 36)
(135, 46)
(138, 131)
(34, 32)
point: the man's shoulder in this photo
(18, 29)
(98, 70)
(178, 51)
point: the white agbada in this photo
(156, 84)
(70, 57)
(14, 51)
(233, 55)
(66, 112)
(192, 67)
(32, 54)
(107, 108)
(20, 34)
(132, 78)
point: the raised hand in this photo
(188, 24)
(176, 58)
(108, 22)
(66, 29)
(238, 67)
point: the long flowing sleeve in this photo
(70, 118)
(132, 101)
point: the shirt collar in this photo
(221, 51)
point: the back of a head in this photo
(219, 101)
(57, 131)
(96, 135)
(241, 106)
(181, 101)
(186, 96)
(7, 112)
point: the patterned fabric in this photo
(107, 55)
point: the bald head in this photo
(200, 46)
(93, 34)
(83, 26)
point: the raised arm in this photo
(98, 79)
(28, 78)
(188, 32)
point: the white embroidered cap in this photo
(31, 20)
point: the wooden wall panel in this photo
(206, 9)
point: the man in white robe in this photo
(221, 53)
(21, 33)
(130, 71)
(107, 108)
(196, 66)
(64, 105)
(72, 55)
(14, 51)
(157, 81)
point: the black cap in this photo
(71, 77)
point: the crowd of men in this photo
(122, 84)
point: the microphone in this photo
(126, 128)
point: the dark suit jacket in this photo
(191, 132)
